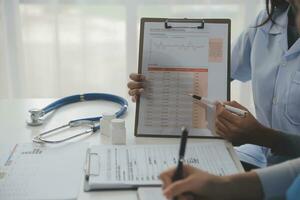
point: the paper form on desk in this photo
(116, 167)
(39, 172)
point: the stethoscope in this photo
(36, 115)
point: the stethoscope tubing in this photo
(88, 97)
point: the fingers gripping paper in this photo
(178, 61)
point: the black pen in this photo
(179, 169)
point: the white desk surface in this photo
(14, 113)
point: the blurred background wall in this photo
(53, 48)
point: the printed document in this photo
(140, 165)
(38, 172)
(177, 62)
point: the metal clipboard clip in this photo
(88, 171)
(168, 23)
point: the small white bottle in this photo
(118, 131)
(105, 123)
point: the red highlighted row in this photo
(177, 69)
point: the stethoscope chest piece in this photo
(35, 117)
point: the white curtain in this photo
(53, 48)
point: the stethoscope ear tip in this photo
(37, 140)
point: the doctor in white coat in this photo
(268, 53)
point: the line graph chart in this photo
(184, 51)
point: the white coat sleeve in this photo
(277, 179)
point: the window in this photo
(64, 47)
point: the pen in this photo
(234, 110)
(179, 169)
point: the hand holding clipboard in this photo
(178, 56)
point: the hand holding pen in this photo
(234, 122)
(236, 129)
(235, 110)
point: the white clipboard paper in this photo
(38, 172)
(181, 56)
(131, 166)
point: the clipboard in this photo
(171, 52)
(115, 167)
